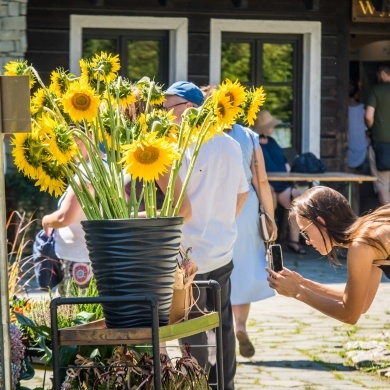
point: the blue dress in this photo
(249, 278)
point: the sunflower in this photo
(51, 179)
(159, 121)
(107, 64)
(223, 109)
(19, 68)
(123, 91)
(59, 81)
(149, 158)
(80, 102)
(255, 99)
(42, 98)
(25, 159)
(62, 145)
(235, 91)
(86, 70)
(155, 90)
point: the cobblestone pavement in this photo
(299, 348)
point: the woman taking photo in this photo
(326, 221)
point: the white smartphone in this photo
(276, 257)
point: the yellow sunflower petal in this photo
(81, 102)
(149, 158)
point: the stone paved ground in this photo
(299, 348)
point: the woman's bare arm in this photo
(346, 306)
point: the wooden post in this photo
(14, 117)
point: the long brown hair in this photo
(333, 208)
(341, 223)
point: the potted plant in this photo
(91, 112)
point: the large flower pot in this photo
(134, 256)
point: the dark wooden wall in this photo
(48, 44)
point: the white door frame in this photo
(178, 37)
(311, 80)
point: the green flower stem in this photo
(48, 94)
(205, 127)
(166, 210)
(82, 192)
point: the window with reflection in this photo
(275, 62)
(142, 52)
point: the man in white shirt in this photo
(217, 191)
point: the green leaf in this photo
(27, 373)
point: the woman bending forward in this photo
(326, 221)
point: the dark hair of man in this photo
(385, 67)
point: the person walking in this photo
(377, 117)
(327, 222)
(249, 278)
(217, 191)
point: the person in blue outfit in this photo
(217, 191)
(249, 278)
(275, 161)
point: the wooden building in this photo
(302, 51)
(198, 40)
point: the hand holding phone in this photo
(276, 257)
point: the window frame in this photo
(123, 36)
(311, 77)
(256, 41)
(178, 38)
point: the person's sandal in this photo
(296, 247)
(246, 347)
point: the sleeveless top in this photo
(384, 265)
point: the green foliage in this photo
(143, 56)
(276, 72)
(236, 62)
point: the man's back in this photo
(380, 99)
(215, 182)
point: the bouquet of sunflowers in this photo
(101, 134)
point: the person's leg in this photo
(240, 314)
(383, 185)
(222, 276)
(63, 286)
(284, 198)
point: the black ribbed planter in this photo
(134, 256)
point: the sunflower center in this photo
(230, 96)
(81, 101)
(147, 155)
(221, 110)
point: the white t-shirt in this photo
(70, 242)
(218, 177)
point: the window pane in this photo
(236, 61)
(95, 46)
(279, 101)
(278, 62)
(143, 59)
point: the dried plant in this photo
(19, 264)
(128, 369)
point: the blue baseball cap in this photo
(186, 90)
